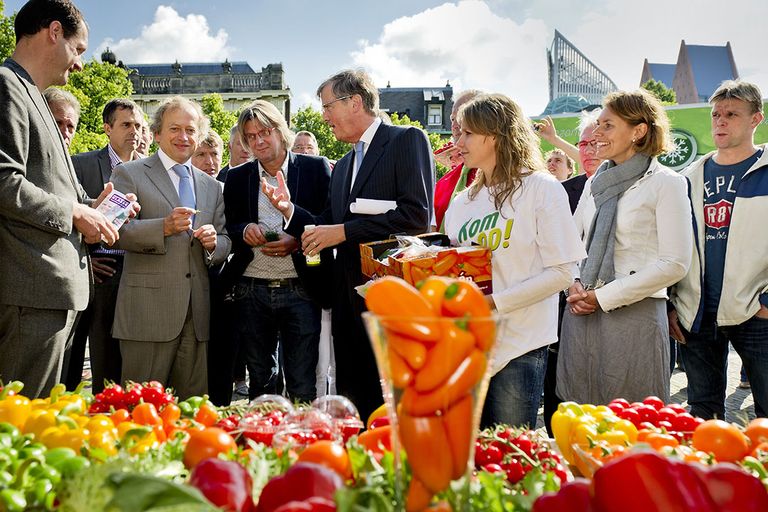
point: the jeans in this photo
(514, 393)
(261, 314)
(705, 355)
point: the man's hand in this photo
(178, 221)
(322, 237)
(135, 206)
(762, 313)
(581, 302)
(253, 236)
(279, 196)
(101, 267)
(674, 327)
(93, 225)
(207, 236)
(283, 247)
(546, 130)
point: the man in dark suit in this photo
(390, 163)
(238, 154)
(274, 289)
(162, 316)
(123, 122)
(44, 212)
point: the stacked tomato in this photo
(115, 397)
(515, 452)
(652, 414)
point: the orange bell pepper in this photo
(444, 357)
(401, 373)
(393, 297)
(433, 289)
(458, 427)
(377, 440)
(425, 440)
(418, 496)
(464, 299)
(412, 351)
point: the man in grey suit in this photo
(162, 318)
(123, 122)
(44, 213)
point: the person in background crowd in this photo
(724, 296)
(207, 156)
(305, 143)
(389, 163)
(238, 154)
(559, 164)
(66, 111)
(636, 217)
(162, 317)
(272, 294)
(460, 176)
(44, 213)
(122, 122)
(513, 193)
(146, 139)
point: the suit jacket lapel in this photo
(372, 155)
(105, 166)
(340, 180)
(201, 193)
(159, 176)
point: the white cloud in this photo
(467, 44)
(171, 37)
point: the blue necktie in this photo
(358, 160)
(186, 196)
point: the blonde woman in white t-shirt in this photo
(521, 212)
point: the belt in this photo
(274, 283)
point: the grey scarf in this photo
(609, 183)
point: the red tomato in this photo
(648, 413)
(620, 401)
(677, 408)
(630, 415)
(667, 414)
(654, 401)
(514, 471)
(684, 422)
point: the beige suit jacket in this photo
(164, 275)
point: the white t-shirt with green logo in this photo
(532, 234)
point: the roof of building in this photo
(191, 68)
(568, 103)
(710, 65)
(663, 73)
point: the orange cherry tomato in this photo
(207, 415)
(146, 414)
(657, 440)
(119, 416)
(444, 357)
(329, 454)
(392, 297)
(757, 431)
(433, 289)
(170, 413)
(458, 427)
(204, 444)
(469, 373)
(723, 440)
(426, 445)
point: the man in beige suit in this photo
(163, 308)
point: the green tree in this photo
(93, 87)
(435, 139)
(222, 120)
(663, 93)
(7, 35)
(311, 120)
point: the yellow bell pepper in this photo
(563, 422)
(105, 440)
(15, 410)
(38, 421)
(65, 434)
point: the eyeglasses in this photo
(262, 134)
(591, 143)
(326, 105)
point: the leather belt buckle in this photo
(275, 283)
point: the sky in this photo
(492, 45)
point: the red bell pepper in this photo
(734, 490)
(304, 480)
(310, 505)
(572, 497)
(224, 483)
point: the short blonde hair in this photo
(637, 107)
(213, 140)
(737, 90)
(568, 160)
(178, 102)
(268, 116)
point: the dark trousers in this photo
(264, 313)
(222, 347)
(705, 355)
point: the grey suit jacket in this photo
(44, 262)
(93, 170)
(162, 274)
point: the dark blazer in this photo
(398, 166)
(44, 263)
(574, 187)
(222, 176)
(308, 179)
(93, 170)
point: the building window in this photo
(435, 115)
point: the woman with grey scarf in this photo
(636, 218)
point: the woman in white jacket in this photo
(636, 219)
